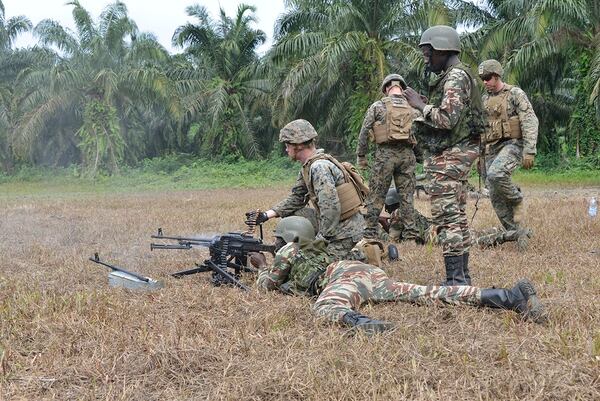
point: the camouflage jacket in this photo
(519, 105)
(377, 113)
(297, 269)
(454, 113)
(325, 178)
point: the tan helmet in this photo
(297, 131)
(294, 228)
(441, 37)
(393, 78)
(490, 67)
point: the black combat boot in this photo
(521, 298)
(365, 324)
(466, 268)
(455, 274)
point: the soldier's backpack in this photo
(397, 125)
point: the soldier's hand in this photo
(256, 217)
(414, 98)
(362, 162)
(257, 259)
(528, 161)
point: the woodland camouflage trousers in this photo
(395, 161)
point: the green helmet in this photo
(392, 197)
(297, 131)
(490, 67)
(392, 78)
(441, 37)
(293, 228)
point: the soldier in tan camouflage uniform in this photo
(320, 180)
(302, 267)
(388, 122)
(449, 133)
(510, 138)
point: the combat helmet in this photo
(297, 131)
(392, 200)
(489, 67)
(441, 37)
(294, 228)
(392, 78)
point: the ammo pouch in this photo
(398, 121)
(373, 250)
(500, 126)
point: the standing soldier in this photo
(510, 139)
(389, 121)
(449, 132)
(326, 182)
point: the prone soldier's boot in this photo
(521, 298)
(466, 268)
(455, 274)
(365, 324)
(523, 235)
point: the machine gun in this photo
(228, 254)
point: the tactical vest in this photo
(308, 266)
(351, 193)
(471, 123)
(397, 124)
(500, 125)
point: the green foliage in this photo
(105, 96)
(101, 141)
(173, 172)
(584, 130)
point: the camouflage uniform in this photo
(504, 156)
(392, 160)
(487, 238)
(446, 120)
(345, 285)
(341, 235)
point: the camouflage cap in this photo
(441, 37)
(297, 131)
(490, 67)
(392, 78)
(294, 228)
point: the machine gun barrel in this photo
(96, 259)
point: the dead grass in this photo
(66, 335)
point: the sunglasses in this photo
(486, 77)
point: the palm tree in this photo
(225, 102)
(86, 100)
(335, 54)
(10, 64)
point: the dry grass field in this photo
(64, 334)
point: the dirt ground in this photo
(65, 334)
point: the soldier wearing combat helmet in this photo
(449, 132)
(303, 267)
(388, 123)
(321, 179)
(510, 139)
